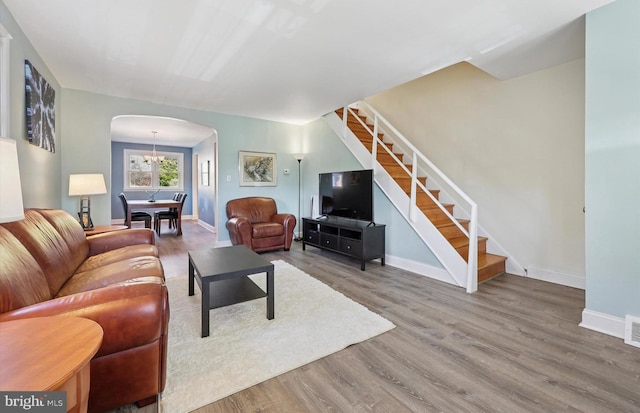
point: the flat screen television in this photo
(347, 194)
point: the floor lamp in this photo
(299, 157)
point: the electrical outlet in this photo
(286, 171)
(228, 178)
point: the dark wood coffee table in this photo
(222, 274)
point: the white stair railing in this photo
(420, 163)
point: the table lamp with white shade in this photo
(85, 185)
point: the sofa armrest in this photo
(287, 220)
(108, 241)
(131, 313)
(289, 223)
(240, 231)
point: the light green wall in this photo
(39, 168)
(256, 136)
(612, 153)
(86, 149)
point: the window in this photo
(143, 175)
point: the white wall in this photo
(516, 147)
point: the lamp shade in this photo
(11, 208)
(86, 184)
(298, 156)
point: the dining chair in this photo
(170, 214)
(135, 215)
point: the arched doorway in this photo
(187, 143)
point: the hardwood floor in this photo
(514, 346)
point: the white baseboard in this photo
(603, 323)
(570, 280)
(206, 226)
(420, 268)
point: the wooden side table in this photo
(49, 354)
(100, 229)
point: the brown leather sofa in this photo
(48, 267)
(255, 222)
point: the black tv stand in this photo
(358, 239)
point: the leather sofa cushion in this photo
(267, 229)
(113, 273)
(57, 255)
(266, 244)
(120, 254)
(72, 234)
(22, 282)
(110, 241)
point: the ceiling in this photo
(169, 131)
(289, 60)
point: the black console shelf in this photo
(357, 239)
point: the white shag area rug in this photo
(244, 348)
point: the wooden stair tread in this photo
(490, 265)
(365, 137)
(424, 202)
(356, 124)
(385, 155)
(391, 163)
(463, 222)
(388, 160)
(489, 259)
(398, 173)
(435, 207)
(464, 241)
(422, 197)
(422, 179)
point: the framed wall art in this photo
(40, 100)
(258, 169)
(204, 173)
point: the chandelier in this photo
(154, 157)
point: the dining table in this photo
(136, 204)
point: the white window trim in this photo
(154, 174)
(5, 38)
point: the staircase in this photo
(386, 152)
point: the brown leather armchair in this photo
(255, 222)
